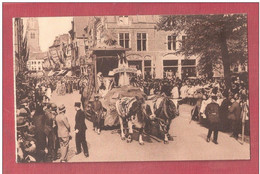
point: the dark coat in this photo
(234, 111)
(98, 109)
(39, 120)
(80, 121)
(48, 122)
(224, 109)
(212, 112)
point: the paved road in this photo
(189, 141)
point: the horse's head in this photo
(140, 109)
(148, 110)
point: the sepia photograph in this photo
(131, 88)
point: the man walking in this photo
(97, 108)
(212, 113)
(63, 133)
(80, 130)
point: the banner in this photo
(127, 69)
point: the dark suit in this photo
(97, 108)
(224, 114)
(50, 133)
(39, 120)
(81, 135)
(234, 115)
(212, 113)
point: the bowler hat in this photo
(62, 108)
(77, 104)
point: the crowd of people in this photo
(233, 102)
(43, 130)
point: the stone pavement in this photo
(189, 141)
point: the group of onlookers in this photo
(42, 128)
(233, 106)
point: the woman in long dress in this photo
(124, 78)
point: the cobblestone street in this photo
(189, 141)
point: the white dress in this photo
(124, 78)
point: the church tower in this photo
(32, 35)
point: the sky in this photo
(50, 27)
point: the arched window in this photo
(32, 35)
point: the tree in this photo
(214, 38)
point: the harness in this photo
(125, 104)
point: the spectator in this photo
(212, 113)
(63, 133)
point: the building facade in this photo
(152, 52)
(59, 54)
(35, 65)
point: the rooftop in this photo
(37, 56)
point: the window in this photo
(171, 42)
(39, 62)
(124, 40)
(123, 20)
(184, 40)
(188, 68)
(32, 35)
(148, 69)
(170, 67)
(141, 41)
(135, 64)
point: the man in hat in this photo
(80, 130)
(212, 113)
(97, 108)
(24, 110)
(234, 115)
(63, 133)
(55, 129)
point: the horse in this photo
(165, 110)
(134, 112)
